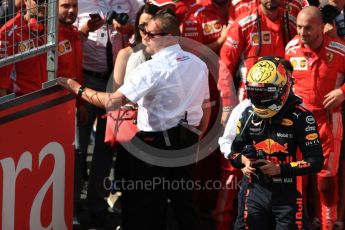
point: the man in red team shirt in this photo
(20, 34)
(182, 7)
(207, 24)
(238, 7)
(28, 75)
(262, 31)
(69, 42)
(319, 65)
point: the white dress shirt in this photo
(172, 82)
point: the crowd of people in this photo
(274, 95)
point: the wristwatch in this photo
(81, 90)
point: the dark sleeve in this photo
(309, 144)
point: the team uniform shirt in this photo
(290, 139)
(69, 53)
(238, 7)
(182, 7)
(203, 24)
(243, 44)
(171, 83)
(94, 49)
(279, 139)
(316, 74)
(27, 75)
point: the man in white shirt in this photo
(170, 88)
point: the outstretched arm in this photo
(99, 99)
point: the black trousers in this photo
(146, 187)
(259, 209)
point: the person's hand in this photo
(123, 29)
(268, 168)
(69, 84)
(92, 25)
(330, 29)
(333, 99)
(82, 114)
(248, 169)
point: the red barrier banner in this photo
(36, 160)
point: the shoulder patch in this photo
(337, 45)
(247, 20)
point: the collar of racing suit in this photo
(291, 101)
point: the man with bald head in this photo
(319, 65)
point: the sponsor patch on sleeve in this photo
(231, 42)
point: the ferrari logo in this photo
(329, 56)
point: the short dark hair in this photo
(168, 22)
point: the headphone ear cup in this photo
(35, 26)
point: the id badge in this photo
(102, 37)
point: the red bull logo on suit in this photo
(269, 146)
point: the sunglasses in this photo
(142, 28)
